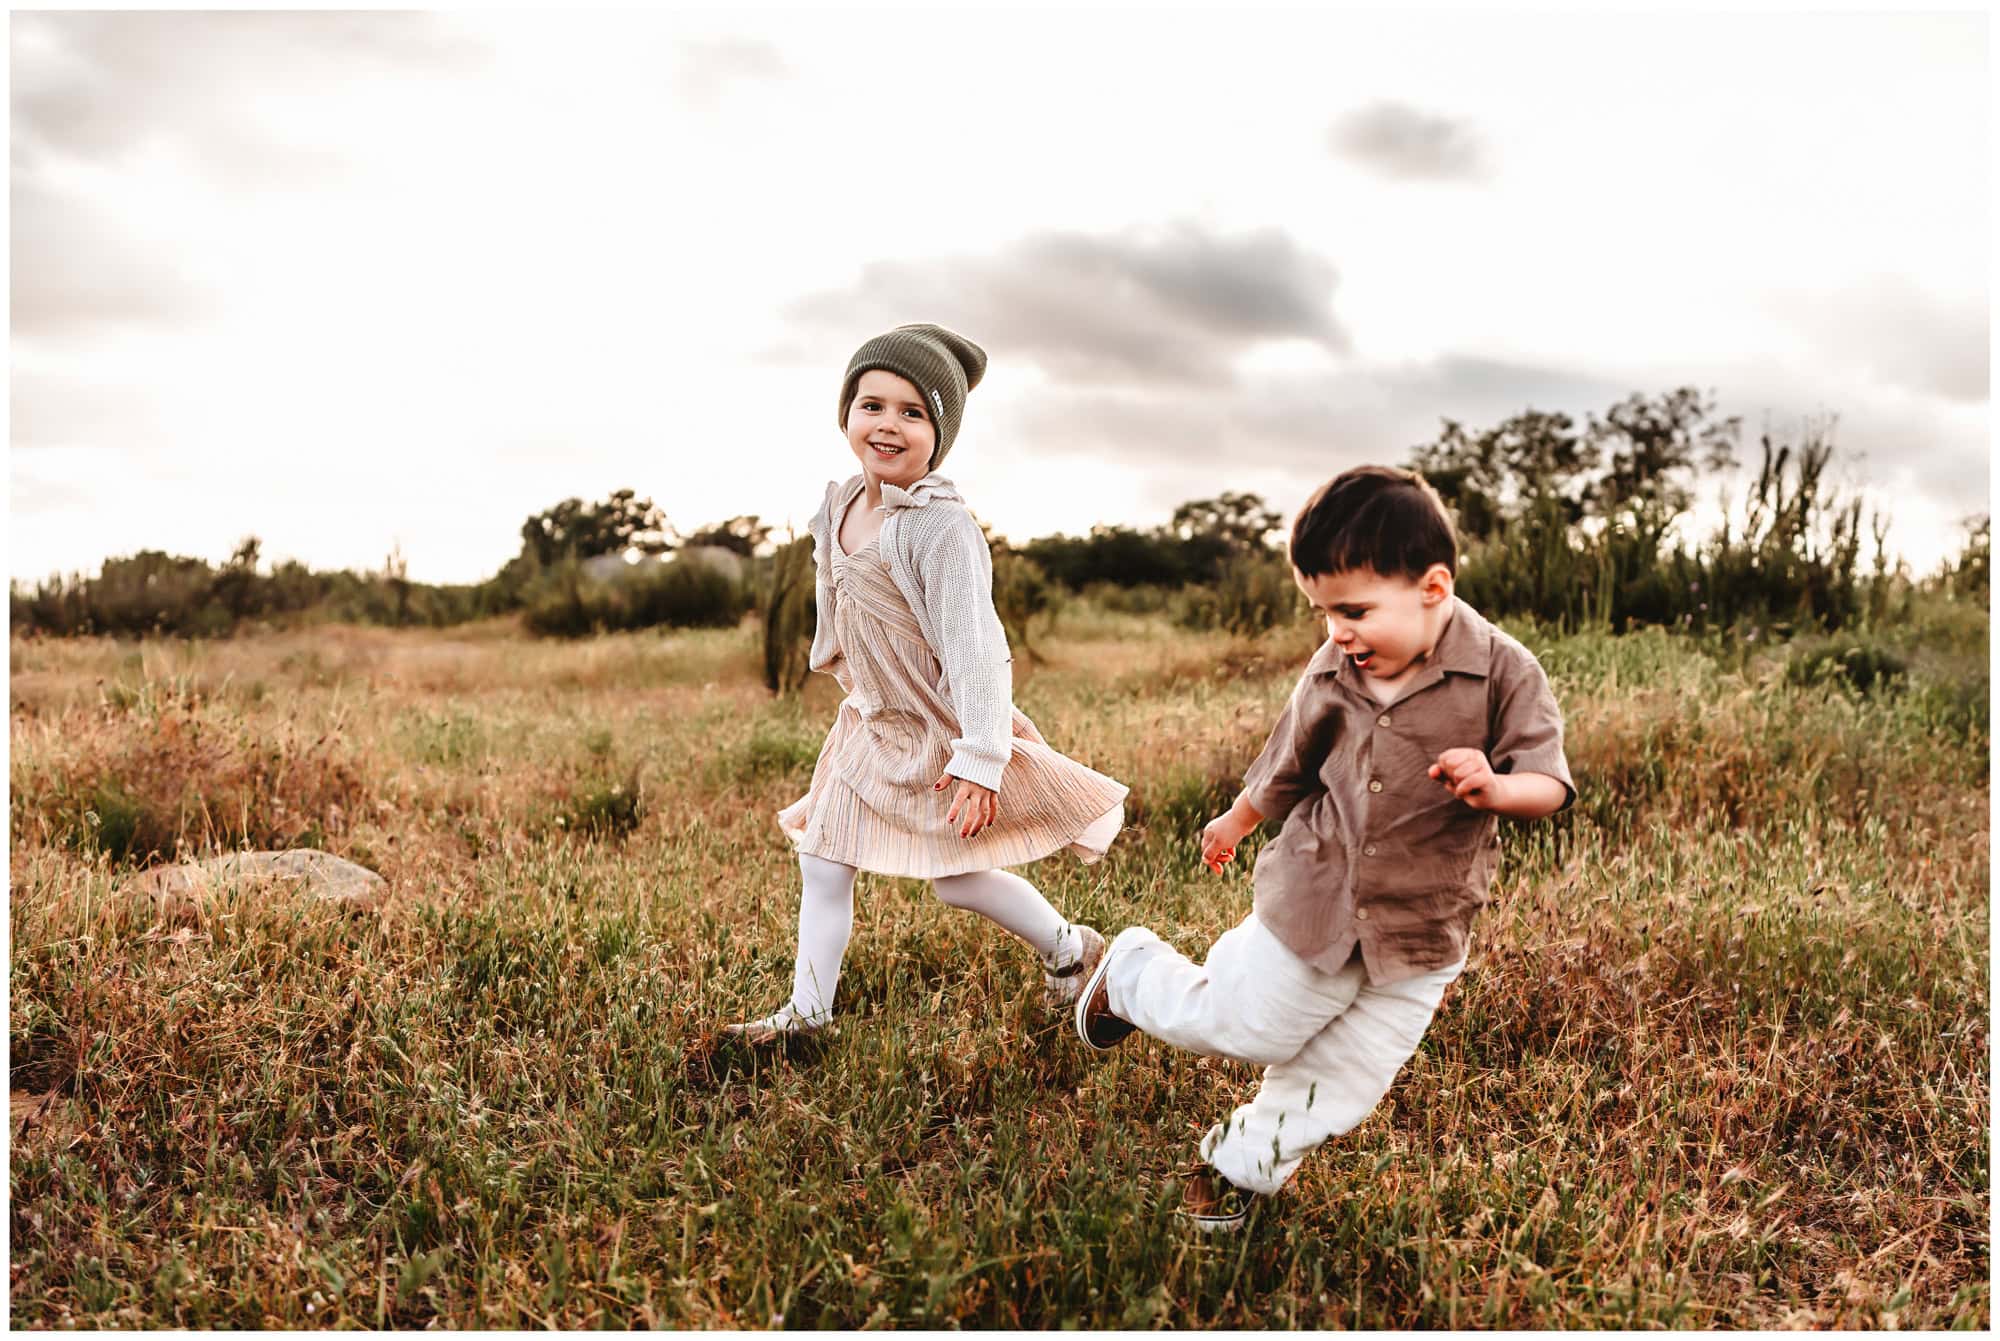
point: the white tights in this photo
(826, 921)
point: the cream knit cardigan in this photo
(939, 561)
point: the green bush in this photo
(775, 749)
(790, 612)
(1252, 593)
(1851, 662)
(565, 603)
(1022, 593)
(604, 809)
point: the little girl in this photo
(909, 781)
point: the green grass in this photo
(1720, 1057)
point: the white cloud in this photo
(351, 279)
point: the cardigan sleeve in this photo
(825, 655)
(956, 570)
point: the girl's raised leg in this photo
(1003, 897)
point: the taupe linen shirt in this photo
(1373, 851)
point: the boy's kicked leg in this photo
(1251, 999)
(1331, 1084)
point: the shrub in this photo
(604, 808)
(790, 613)
(1252, 593)
(1021, 593)
(565, 603)
(774, 749)
(1858, 665)
(148, 785)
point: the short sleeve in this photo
(1526, 727)
(1287, 771)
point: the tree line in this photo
(1571, 523)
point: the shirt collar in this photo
(1466, 645)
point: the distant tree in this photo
(573, 528)
(1238, 522)
(1120, 555)
(1535, 463)
(396, 576)
(236, 584)
(1971, 572)
(741, 534)
(1656, 444)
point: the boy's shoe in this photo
(1213, 1204)
(1060, 985)
(785, 1023)
(1095, 1024)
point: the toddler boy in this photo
(1414, 726)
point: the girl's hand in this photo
(972, 806)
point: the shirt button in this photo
(1374, 784)
(1368, 851)
(1361, 914)
(1383, 720)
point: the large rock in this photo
(721, 558)
(179, 890)
(613, 568)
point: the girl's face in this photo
(890, 429)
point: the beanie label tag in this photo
(938, 401)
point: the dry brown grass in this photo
(1721, 1057)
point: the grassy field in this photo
(1720, 1058)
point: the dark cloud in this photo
(1177, 305)
(1311, 424)
(1405, 144)
(708, 69)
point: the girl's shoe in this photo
(1213, 1204)
(1060, 985)
(786, 1023)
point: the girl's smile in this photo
(890, 431)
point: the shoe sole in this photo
(1083, 998)
(1217, 1224)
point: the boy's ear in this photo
(1437, 583)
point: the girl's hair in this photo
(1374, 517)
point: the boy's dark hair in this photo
(1375, 517)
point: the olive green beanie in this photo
(943, 365)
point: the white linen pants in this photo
(1329, 1043)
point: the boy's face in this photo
(1385, 625)
(890, 429)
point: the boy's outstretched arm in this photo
(1468, 775)
(1220, 835)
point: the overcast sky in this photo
(348, 281)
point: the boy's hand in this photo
(1468, 775)
(972, 806)
(1220, 835)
